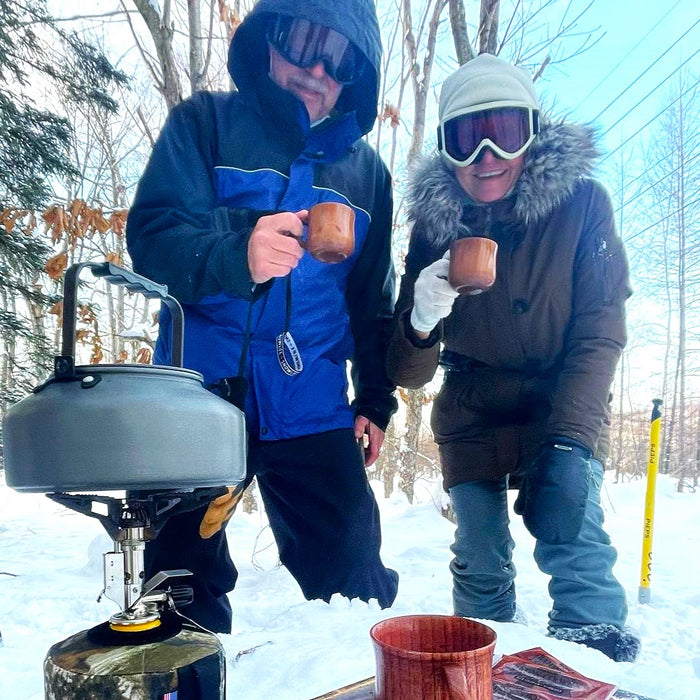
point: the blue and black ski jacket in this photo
(223, 160)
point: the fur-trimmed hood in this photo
(560, 155)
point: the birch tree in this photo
(670, 243)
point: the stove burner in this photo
(131, 522)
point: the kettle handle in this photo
(124, 278)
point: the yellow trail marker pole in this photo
(648, 532)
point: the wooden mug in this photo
(433, 657)
(472, 264)
(331, 232)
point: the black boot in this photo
(618, 644)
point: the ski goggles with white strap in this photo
(506, 129)
(304, 44)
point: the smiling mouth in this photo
(489, 174)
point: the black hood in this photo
(248, 61)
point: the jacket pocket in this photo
(451, 411)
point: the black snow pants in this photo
(322, 513)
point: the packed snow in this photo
(286, 648)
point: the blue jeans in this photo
(582, 586)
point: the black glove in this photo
(553, 494)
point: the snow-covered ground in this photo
(51, 574)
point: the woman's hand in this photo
(432, 297)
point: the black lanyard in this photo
(284, 343)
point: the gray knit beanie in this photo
(483, 80)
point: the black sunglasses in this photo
(304, 44)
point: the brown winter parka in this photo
(535, 355)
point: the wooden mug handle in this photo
(456, 677)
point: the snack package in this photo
(534, 674)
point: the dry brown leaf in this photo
(97, 354)
(9, 217)
(404, 396)
(99, 222)
(56, 221)
(80, 227)
(114, 258)
(55, 266)
(143, 356)
(7, 221)
(122, 357)
(50, 215)
(391, 112)
(118, 221)
(57, 308)
(61, 226)
(82, 335)
(86, 314)
(77, 207)
(229, 18)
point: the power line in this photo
(656, 182)
(646, 70)
(658, 85)
(627, 55)
(641, 175)
(656, 116)
(668, 216)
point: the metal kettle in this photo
(113, 427)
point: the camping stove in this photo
(131, 522)
(156, 434)
(147, 650)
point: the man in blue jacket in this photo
(230, 178)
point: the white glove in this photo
(432, 296)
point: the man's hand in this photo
(273, 248)
(370, 437)
(220, 511)
(432, 296)
(553, 495)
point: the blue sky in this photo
(637, 33)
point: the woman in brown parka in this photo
(528, 364)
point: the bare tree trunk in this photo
(162, 34)
(388, 56)
(9, 356)
(458, 22)
(696, 450)
(682, 332)
(196, 43)
(407, 470)
(616, 449)
(389, 457)
(667, 391)
(488, 26)
(399, 102)
(421, 85)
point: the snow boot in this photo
(618, 644)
